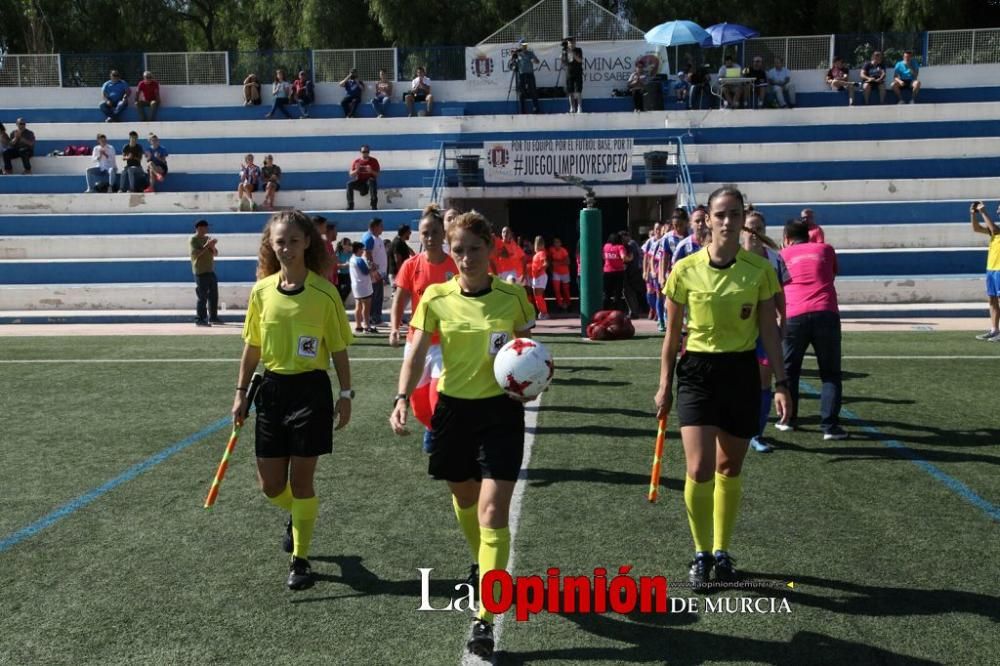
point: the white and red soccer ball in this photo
(523, 368)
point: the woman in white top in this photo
(282, 91)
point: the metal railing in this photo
(189, 68)
(684, 178)
(332, 65)
(438, 184)
(27, 69)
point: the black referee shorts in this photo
(574, 84)
(719, 389)
(477, 439)
(294, 415)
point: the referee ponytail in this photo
(316, 258)
(762, 237)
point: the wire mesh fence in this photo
(857, 48)
(593, 23)
(585, 20)
(265, 63)
(443, 63)
(963, 47)
(191, 68)
(803, 52)
(93, 69)
(334, 64)
(19, 69)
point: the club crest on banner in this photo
(498, 157)
(482, 66)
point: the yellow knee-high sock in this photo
(728, 492)
(304, 512)
(494, 551)
(283, 500)
(698, 499)
(468, 520)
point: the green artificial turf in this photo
(890, 564)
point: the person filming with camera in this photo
(572, 62)
(354, 87)
(523, 61)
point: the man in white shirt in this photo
(104, 170)
(420, 90)
(780, 80)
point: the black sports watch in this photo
(400, 396)
(781, 383)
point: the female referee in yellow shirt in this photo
(295, 320)
(729, 294)
(478, 432)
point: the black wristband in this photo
(400, 396)
(241, 388)
(781, 383)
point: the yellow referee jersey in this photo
(296, 331)
(722, 302)
(993, 256)
(473, 328)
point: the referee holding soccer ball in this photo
(729, 295)
(295, 321)
(478, 432)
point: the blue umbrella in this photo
(678, 33)
(724, 34)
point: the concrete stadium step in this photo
(198, 203)
(140, 223)
(883, 190)
(229, 163)
(37, 248)
(881, 293)
(109, 246)
(849, 151)
(218, 182)
(909, 263)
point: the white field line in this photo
(530, 424)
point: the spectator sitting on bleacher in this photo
(683, 82)
(4, 138)
(304, 93)
(251, 90)
(816, 234)
(364, 178)
(104, 172)
(383, 93)
(730, 92)
(270, 175)
(637, 81)
(156, 163)
(147, 94)
(249, 182)
(420, 90)
(905, 76)
(22, 144)
(115, 92)
(133, 178)
(281, 90)
(354, 87)
(780, 80)
(757, 90)
(838, 78)
(873, 76)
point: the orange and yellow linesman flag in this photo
(220, 473)
(654, 477)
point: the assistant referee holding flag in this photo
(729, 294)
(295, 320)
(477, 431)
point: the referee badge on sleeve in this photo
(308, 346)
(746, 311)
(497, 340)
